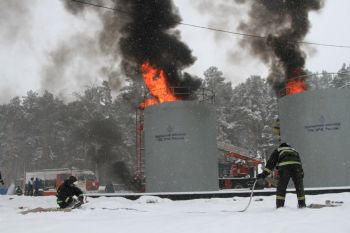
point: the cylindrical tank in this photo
(180, 147)
(317, 124)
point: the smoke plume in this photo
(14, 25)
(221, 14)
(141, 31)
(88, 56)
(149, 35)
(285, 23)
(120, 173)
(14, 20)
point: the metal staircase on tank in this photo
(140, 163)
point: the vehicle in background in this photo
(237, 168)
(51, 179)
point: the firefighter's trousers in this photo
(294, 171)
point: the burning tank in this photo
(316, 123)
(180, 147)
(179, 139)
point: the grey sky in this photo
(28, 42)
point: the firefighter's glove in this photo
(261, 176)
(2, 182)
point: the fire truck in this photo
(51, 179)
(237, 167)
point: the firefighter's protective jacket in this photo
(66, 192)
(282, 156)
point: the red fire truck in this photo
(51, 179)
(237, 168)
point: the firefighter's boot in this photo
(301, 203)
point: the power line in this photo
(221, 30)
(216, 29)
(101, 6)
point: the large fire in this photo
(297, 84)
(156, 82)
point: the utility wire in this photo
(216, 29)
(101, 6)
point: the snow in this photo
(150, 214)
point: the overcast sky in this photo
(31, 31)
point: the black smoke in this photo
(285, 24)
(138, 31)
(120, 173)
(149, 35)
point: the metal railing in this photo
(310, 86)
(187, 93)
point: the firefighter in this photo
(288, 163)
(69, 195)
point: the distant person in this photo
(19, 191)
(1, 181)
(69, 195)
(109, 188)
(36, 186)
(288, 162)
(30, 186)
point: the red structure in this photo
(238, 168)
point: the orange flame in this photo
(296, 86)
(156, 82)
(296, 83)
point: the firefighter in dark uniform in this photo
(66, 193)
(288, 163)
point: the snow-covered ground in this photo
(151, 214)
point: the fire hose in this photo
(251, 196)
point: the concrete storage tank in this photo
(317, 124)
(180, 147)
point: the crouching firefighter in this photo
(69, 195)
(287, 160)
